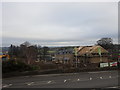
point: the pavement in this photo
(98, 79)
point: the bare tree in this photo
(28, 52)
(45, 52)
(31, 54)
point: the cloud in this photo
(67, 23)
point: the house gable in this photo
(89, 50)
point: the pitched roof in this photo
(82, 50)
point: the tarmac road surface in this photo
(98, 79)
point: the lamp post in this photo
(75, 50)
(99, 52)
(76, 61)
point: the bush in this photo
(35, 68)
(16, 66)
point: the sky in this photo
(58, 23)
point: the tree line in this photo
(28, 52)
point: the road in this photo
(99, 79)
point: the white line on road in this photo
(110, 77)
(30, 83)
(78, 79)
(114, 87)
(7, 85)
(49, 81)
(101, 77)
(90, 78)
(65, 80)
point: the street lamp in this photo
(75, 50)
(76, 61)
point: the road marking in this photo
(30, 83)
(110, 77)
(101, 77)
(75, 80)
(7, 85)
(65, 80)
(114, 87)
(78, 80)
(49, 81)
(90, 78)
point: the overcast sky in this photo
(59, 24)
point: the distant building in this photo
(64, 56)
(92, 54)
(86, 55)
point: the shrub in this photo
(16, 66)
